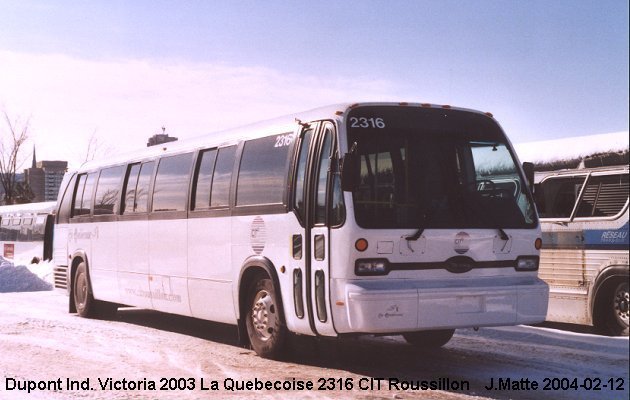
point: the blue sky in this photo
(120, 70)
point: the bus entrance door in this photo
(318, 267)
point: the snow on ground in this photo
(21, 277)
(40, 341)
(571, 147)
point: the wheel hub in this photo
(622, 303)
(263, 315)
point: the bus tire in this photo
(265, 327)
(82, 293)
(429, 339)
(611, 313)
(84, 301)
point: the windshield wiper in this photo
(504, 236)
(420, 230)
(416, 235)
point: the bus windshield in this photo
(435, 168)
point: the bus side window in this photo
(4, 228)
(131, 181)
(136, 188)
(25, 233)
(108, 191)
(170, 190)
(604, 196)
(203, 180)
(560, 196)
(65, 209)
(83, 195)
(141, 203)
(220, 193)
(263, 170)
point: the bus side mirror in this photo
(349, 172)
(528, 169)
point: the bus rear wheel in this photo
(613, 309)
(429, 339)
(265, 326)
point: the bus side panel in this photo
(168, 259)
(572, 269)
(209, 269)
(133, 263)
(271, 236)
(103, 261)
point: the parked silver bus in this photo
(584, 259)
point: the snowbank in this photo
(20, 278)
(571, 147)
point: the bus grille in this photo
(61, 276)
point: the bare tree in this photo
(92, 148)
(10, 143)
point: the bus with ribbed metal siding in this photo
(369, 218)
(584, 259)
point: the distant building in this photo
(160, 138)
(44, 178)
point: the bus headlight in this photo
(364, 267)
(527, 263)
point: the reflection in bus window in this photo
(220, 196)
(108, 190)
(262, 172)
(171, 183)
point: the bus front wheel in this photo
(265, 327)
(611, 317)
(429, 339)
(82, 294)
(84, 301)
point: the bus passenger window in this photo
(604, 196)
(263, 170)
(83, 195)
(220, 196)
(203, 179)
(171, 183)
(108, 191)
(137, 188)
(130, 189)
(141, 202)
(560, 196)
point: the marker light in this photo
(538, 243)
(363, 267)
(527, 263)
(361, 244)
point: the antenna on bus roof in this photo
(303, 124)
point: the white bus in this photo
(584, 259)
(26, 231)
(372, 218)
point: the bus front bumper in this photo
(396, 306)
